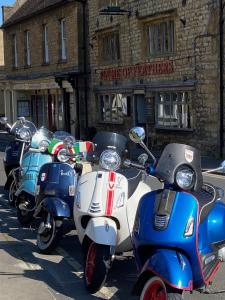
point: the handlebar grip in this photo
(128, 163)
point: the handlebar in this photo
(128, 163)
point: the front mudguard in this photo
(171, 266)
(57, 207)
(102, 230)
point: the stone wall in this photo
(1, 49)
(196, 58)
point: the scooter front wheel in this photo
(96, 266)
(49, 233)
(156, 289)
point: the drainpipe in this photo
(221, 33)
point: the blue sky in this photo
(2, 3)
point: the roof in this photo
(32, 7)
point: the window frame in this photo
(46, 59)
(27, 53)
(63, 40)
(106, 3)
(114, 43)
(15, 51)
(180, 110)
(158, 28)
(123, 112)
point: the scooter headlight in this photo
(24, 134)
(43, 146)
(110, 160)
(63, 155)
(185, 178)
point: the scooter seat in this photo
(133, 176)
(206, 197)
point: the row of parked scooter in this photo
(176, 228)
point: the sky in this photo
(3, 3)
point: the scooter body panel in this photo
(105, 194)
(102, 231)
(12, 156)
(57, 180)
(146, 236)
(57, 207)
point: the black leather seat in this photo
(206, 197)
(133, 176)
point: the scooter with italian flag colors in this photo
(105, 206)
(56, 187)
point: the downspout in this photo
(221, 33)
(84, 2)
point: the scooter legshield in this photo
(57, 207)
(102, 230)
(173, 267)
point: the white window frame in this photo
(15, 52)
(46, 49)
(179, 107)
(27, 45)
(63, 39)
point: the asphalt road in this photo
(26, 274)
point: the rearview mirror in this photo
(3, 120)
(137, 135)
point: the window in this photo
(110, 47)
(173, 109)
(113, 107)
(45, 44)
(104, 3)
(15, 53)
(27, 48)
(160, 38)
(62, 40)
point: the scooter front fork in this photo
(45, 225)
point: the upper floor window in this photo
(173, 109)
(63, 55)
(15, 52)
(104, 3)
(110, 47)
(160, 38)
(27, 48)
(45, 44)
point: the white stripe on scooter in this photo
(104, 292)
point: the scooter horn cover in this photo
(174, 156)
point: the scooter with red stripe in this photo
(105, 206)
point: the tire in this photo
(24, 216)
(156, 289)
(96, 266)
(11, 195)
(48, 240)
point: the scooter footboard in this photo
(57, 207)
(102, 231)
(171, 266)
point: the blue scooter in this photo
(28, 173)
(178, 236)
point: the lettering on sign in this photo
(157, 68)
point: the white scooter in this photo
(105, 206)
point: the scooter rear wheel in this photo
(96, 266)
(155, 289)
(24, 216)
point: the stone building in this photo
(44, 65)
(2, 75)
(157, 64)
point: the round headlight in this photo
(24, 134)
(110, 160)
(69, 141)
(63, 155)
(185, 178)
(43, 145)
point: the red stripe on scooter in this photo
(110, 193)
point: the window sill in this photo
(27, 67)
(164, 128)
(15, 68)
(62, 61)
(44, 64)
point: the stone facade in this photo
(194, 70)
(47, 92)
(1, 49)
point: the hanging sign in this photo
(156, 68)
